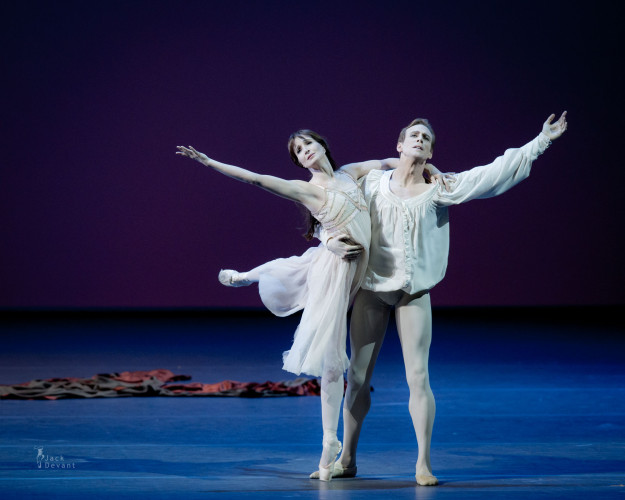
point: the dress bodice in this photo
(341, 206)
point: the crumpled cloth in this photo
(159, 382)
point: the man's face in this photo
(417, 143)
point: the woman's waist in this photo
(357, 226)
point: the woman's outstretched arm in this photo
(312, 197)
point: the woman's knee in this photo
(330, 376)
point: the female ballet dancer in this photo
(320, 282)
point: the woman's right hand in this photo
(191, 152)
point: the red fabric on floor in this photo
(158, 382)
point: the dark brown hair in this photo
(311, 222)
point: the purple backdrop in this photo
(97, 211)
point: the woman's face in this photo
(308, 151)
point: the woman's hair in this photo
(311, 222)
(302, 134)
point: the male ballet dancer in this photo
(408, 257)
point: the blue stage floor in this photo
(528, 406)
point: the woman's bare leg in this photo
(368, 326)
(332, 387)
(230, 277)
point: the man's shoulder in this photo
(371, 182)
(374, 177)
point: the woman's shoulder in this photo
(344, 170)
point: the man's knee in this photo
(418, 381)
(357, 395)
(356, 378)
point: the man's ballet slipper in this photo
(426, 480)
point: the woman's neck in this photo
(322, 170)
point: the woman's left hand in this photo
(445, 180)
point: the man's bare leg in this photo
(414, 324)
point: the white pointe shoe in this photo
(229, 277)
(339, 471)
(331, 448)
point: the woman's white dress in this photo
(322, 284)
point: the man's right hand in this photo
(344, 247)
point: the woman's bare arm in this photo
(309, 195)
(360, 169)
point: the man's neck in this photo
(409, 171)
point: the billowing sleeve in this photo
(371, 183)
(495, 178)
